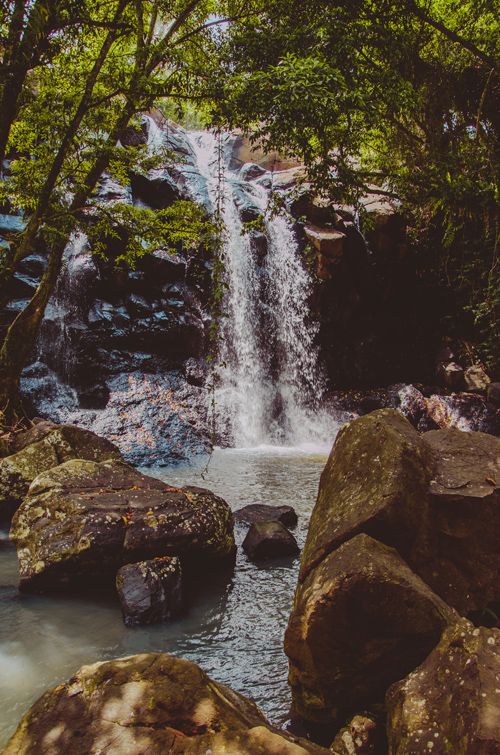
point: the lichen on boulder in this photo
(40, 448)
(82, 520)
(151, 703)
(451, 703)
(432, 498)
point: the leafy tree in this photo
(66, 134)
(388, 96)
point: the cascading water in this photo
(268, 382)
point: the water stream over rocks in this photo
(234, 629)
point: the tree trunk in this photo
(28, 238)
(21, 336)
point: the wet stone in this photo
(261, 512)
(269, 540)
(150, 591)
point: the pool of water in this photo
(234, 629)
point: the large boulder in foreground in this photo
(82, 520)
(40, 448)
(434, 497)
(150, 591)
(361, 621)
(151, 703)
(451, 703)
(375, 481)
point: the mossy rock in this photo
(82, 520)
(151, 703)
(39, 449)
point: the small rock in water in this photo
(260, 512)
(269, 540)
(150, 591)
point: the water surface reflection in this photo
(234, 629)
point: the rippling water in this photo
(233, 630)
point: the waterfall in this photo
(268, 381)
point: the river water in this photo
(234, 629)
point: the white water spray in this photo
(269, 385)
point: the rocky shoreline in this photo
(391, 639)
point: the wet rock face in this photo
(150, 591)
(148, 703)
(450, 703)
(107, 322)
(363, 613)
(40, 448)
(83, 520)
(269, 539)
(155, 419)
(361, 620)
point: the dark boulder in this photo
(464, 531)
(375, 481)
(269, 539)
(450, 704)
(363, 612)
(83, 520)
(150, 703)
(451, 375)
(361, 620)
(260, 512)
(157, 190)
(150, 591)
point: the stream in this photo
(234, 629)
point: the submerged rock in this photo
(260, 512)
(361, 620)
(450, 704)
(151, 703)
(150, 591)
(269, 539)
(83, 520)
(40, 448)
